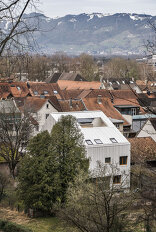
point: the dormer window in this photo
(113, 140)
(98, 141)
(45, 92)
(89, 142)
(35, 93)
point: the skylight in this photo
(98, 141)
(113, 140)
(55, 92)
(45, 92)
(89, 142)
(18, 88)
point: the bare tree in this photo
(144, 180)
(97, 204)
(15, 131)
(12, 12)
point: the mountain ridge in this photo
(95, 33)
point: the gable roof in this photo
(30, 104)
(72, 105)
(46, 89)
(153, 122)
(54, 78)
(106, 107)
(64, 84)
(71, 76)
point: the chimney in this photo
(99, 100)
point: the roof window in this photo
(98, 141)
(89, 142)
(18, 88)
(113, 140)
(35, 93)
(55, 92)
(45, 92)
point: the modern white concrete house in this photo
(103, 141)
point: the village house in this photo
(39, 108)
(103, 141)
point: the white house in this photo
(148, 129)
(103, 141)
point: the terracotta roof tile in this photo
(65, 84)
(124, 94)
(47, 89)
(72, 105)
(106, 107)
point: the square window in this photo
(113, 140)
(98, 141)
(89, 142)
(123, 160)
(117, 179)
(107, 160)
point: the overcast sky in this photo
(53, 8)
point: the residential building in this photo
(103, 141)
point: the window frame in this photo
(113, 140)
(121, 159)
(88, 140)
(98, 140)
(109, 159)
(118, 177)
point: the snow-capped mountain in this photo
(97, 33)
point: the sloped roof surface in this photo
(64, 84)
(106, 107)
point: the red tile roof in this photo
(64, 84)
(46, 89)
(106, 107)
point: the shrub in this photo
(6, 226)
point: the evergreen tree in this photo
(67, 151)
(52, 162)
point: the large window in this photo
(133, 111)
(123, 160)
(117, 179)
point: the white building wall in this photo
(147, 131)
(41, 114)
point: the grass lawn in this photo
(48, 224)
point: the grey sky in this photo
(53, 8)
